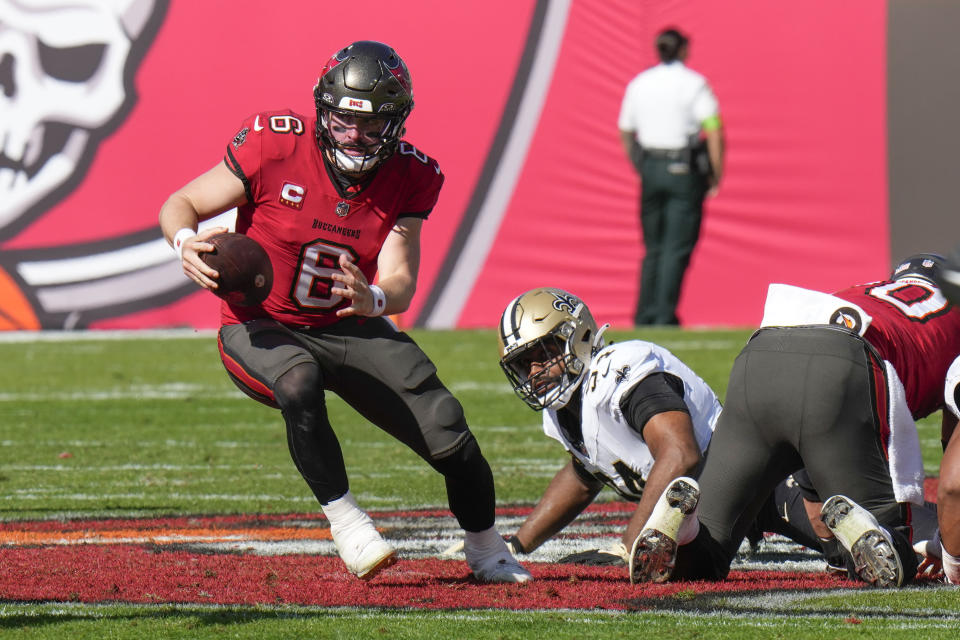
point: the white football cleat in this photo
(358, 542)
(875, 558)
(499, 567)
(654, 552)
(363, 550)
(490, 559)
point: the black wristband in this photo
(514, 542)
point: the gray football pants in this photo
(384, 376)
(798, 397)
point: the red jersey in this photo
(917, 330)
(304, 223)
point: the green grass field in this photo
(98, 426)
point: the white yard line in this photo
(81, 336)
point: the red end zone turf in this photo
(290, 559)
(125, 573)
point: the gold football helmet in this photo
(547, 338)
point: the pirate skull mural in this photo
(64, 72)
(66, 78)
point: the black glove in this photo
(514, 544)
(839, 561)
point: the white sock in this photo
(689, 528)
(343, 512)
(479, 544)
(951, 566)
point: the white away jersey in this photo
(612, 451)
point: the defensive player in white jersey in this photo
(631, 415)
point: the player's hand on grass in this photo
(931, 562)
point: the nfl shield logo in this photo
(241, 137)
(343, 209)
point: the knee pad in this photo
(445, 427)
(449, 411)
(464, 460)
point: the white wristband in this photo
(951, 566)
(180, 237)
(379, 301)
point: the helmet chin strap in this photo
(562, 398)
(354, 164)
(598, 339)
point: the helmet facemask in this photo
(377, 142)
(558, 371)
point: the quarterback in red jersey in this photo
(832, 384)
(338, 199)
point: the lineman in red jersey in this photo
(826, 396)
(336, 199)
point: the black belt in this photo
(666, 154)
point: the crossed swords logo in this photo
(69, 287)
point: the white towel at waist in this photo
(790, 306)
(906, 461)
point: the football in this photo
(246, 274)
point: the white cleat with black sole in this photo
(874, 557)
(654, 552)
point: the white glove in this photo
(613, 554)
(618, 549)
(930, 554)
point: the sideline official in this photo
(670, 128)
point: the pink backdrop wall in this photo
(802, 94)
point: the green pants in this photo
(671, 207)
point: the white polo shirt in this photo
(665, 105)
